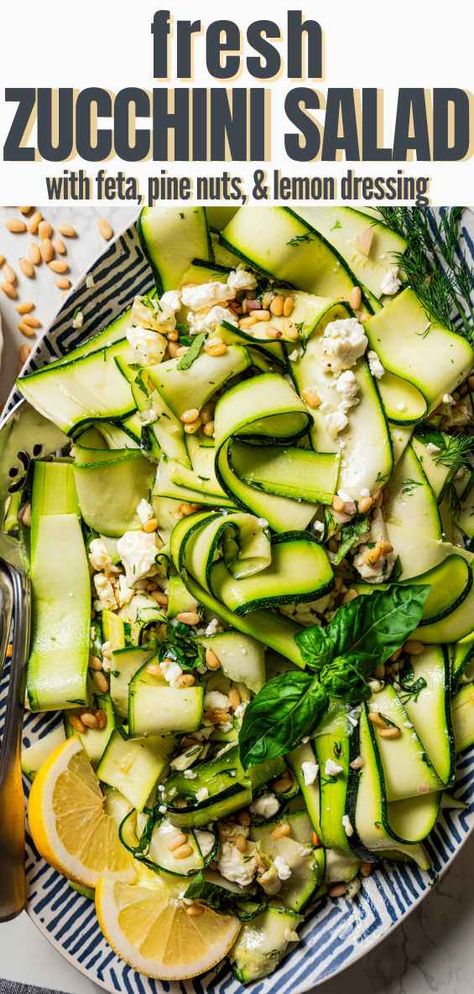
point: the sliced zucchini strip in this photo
(172, 238)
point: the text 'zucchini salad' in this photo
(252, 577)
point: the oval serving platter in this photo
(339, 931)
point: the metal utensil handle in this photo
(16, 597)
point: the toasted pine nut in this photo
(105, 229)
(25, 210)
(9, 650)
(15, 225)
(234, 698)
(377, 719)
(59, 266)
(288, 307)
(281, 830)
(185, 509)
(182, 852)
(282, 784)
(46, 250)
(9, 290)
(34, 253)
(310, 397)
(337, 890)
(44, 229)
(355, 298)
(390, 733)
(193, 427)
(386, 547)
(194, 910)
(271, 332)
(365, 504)
(190, 415)
(208, 429)
(241, 843)
(151, 525)
(212, 662)
(373, 555)
(173, 349)
(23, 353)
(27, 268)
(186, 680)
(365, 869)
(188, 617)
(76, 723)
(154, 669)
(217, 717)
(26, 330)
(179, 840)
(63, 283)
(100, 681)
(173, 335)
(59, 246)
(34, 222)
(9, 274)
(32, 322)
(245, 323)
(95, 663)
(261, 315)
(160, 598)
(414, 648)
(338, 504)
(67, 230)
(88, 719)
(215, 349)
(276, 306)
(364, 240)
(101, 720)
(26, 307)
(244, 819)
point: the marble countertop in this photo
(433, 950)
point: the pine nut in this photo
(337, 890)
(190, 415)
(105, 229)
(34, 254)
(32, 322)
(63, 283)
(355, 298)
(271, 332)
(178, 841)
(245, 323)
(34, 222)
(182, 852)
(194, 910)
(219, 348)
(217, 717)
(76, 723)
(338, 504)
(151, 525)
(414, 648)
(46, 250)
(59, 266)
(26, 330)
(173, 335)
(208, 429)
(9, 290)
(365, 869)
(173, 350)
(45, 230)
(310, 397)
(160, 598)
(27, 268)
(59, 246)
(95, 663)
(15, 225)
(386, 547)
(23, 353)
(281, 831)
(378, 720)
(283, 784)
(154, 669)
(373, 555)
(365, 504)
(101, 720)
(9, 274)
(234, 698)
(276, 306)
(364, 240)
(288, 307)
(100, 681)
(261, 315)
(25, 210)
(390, 733)
(244, 819)
(88, 719)
(212, 662)
(67, 230)
(186, 680)
(184, 509)
(26, 307)
(241, 843)
(188, 617)
(193, 427)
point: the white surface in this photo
(433, 950)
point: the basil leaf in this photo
(191, 355)
(286, 709)
(317, 646)
(349, 535)
(372, 627)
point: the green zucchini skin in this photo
(171, 238)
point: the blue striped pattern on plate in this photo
(338, 932)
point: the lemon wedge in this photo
(68, 822)
(151, 927)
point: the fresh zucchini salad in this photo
(252, 578)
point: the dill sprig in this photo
(434, 264)
(455, 451)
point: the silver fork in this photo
(23, 434)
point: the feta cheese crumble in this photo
(332, 769)
(170, 670)
(433, 449)
(375, 365)
(309, 770)
(205, 295)
(241, 279)
(344, 342)
(137, 550)
(215, 701)
(99, 556)
(144, 511)
(105, 593)
(390, 284)
(238, 867)
(265, 806)
(347, 826)
(208, 321)
(149, 346)
(202, 794)
(282, 868)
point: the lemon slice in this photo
(68, 823)
(148, 924)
